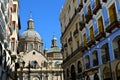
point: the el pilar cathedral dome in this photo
(30, 39)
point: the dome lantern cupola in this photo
(30, 22)
(54, 42)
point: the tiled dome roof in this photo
(31, 34)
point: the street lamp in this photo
(41, 73)
(29, 70)
(46, 65)
(21, 64)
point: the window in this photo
(89, 9)
(69, 9)
(79, 66)
(91, 33)
(85, 40)
(26, 46)
(33, 53)
(14, 7)
(105, 53)
(39, 48)
(67, 72)
(31, 46)
(112, 13)
(100, 24)
(77, 44)
(12, 46)
(87, 34)
(36, 46)
(83, 18)
(14, 23)
(71, 49)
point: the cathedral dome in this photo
(31, 34)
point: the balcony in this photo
(90, 42)
(105, 1)
(87, 65)
(99, 36)
(82, 47)
(85, 1)
(72, 55)
(95, 62)
(114, 23)
(70, 40)
(97, 7)
(70, 22)
(82, 25)
(88, 16)
(80, 7)
(75, 34)
(65, 45)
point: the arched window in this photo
(67, 73)
(79, 66)
(36, 46)
(95, 58)
(105, 53)
(73, 74)
(87, 58)
(31, 46)
(116, 47)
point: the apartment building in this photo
(99, 36)
(71, 41)
(9, 26)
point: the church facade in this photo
(36, 63)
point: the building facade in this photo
(9, 27)
(71, 41)
(36, 63)
(99, 38)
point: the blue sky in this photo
(45, 14)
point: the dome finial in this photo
(54, 41)
(30, 14)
